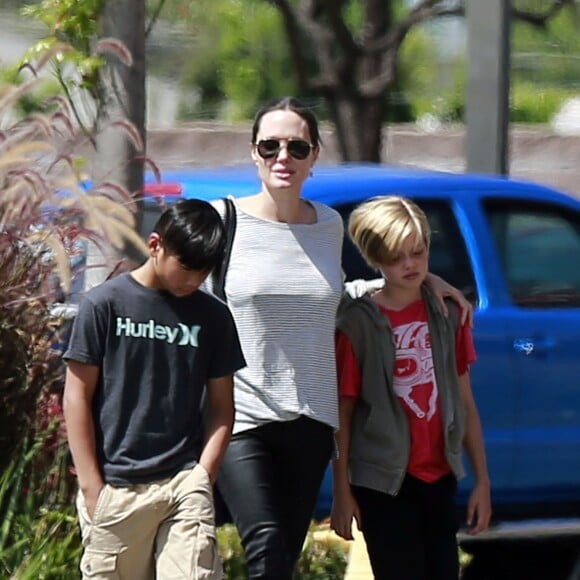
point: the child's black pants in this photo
(411, 536)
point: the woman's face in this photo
(282, 171)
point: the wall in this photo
(536, 154)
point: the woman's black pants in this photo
(270, 480)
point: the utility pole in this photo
(487, 99)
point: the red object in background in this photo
(163, 189)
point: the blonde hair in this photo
(379, 227)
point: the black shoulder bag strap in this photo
(219, 274)
(222, 513)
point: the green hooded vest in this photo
(380, 438)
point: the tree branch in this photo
(391, 42)
(341, 31)
(429, 10)
(154, 17)
(541, 19)
(292, 28)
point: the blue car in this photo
(513, 248)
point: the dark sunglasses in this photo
(297, 148)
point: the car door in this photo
(539, 246)
(454, 255)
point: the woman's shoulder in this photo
(327, 215)
(325, 210)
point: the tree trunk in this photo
(358, 123)
(358, 116)
(118, 160)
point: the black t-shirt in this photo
(155, 352)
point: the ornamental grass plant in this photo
(47, 216)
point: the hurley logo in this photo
(181, 335)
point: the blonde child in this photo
(406, 406)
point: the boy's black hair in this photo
(193, 231)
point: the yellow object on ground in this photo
(327, 536)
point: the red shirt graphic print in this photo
(415, 384)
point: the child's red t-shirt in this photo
(414, 383)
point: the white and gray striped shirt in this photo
(283, 286)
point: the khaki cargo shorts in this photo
(162, 530)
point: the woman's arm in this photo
(442, 290)
(439, 287)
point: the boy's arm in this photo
(79, 389)
(220, 399)
(479, 506)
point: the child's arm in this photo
(344, 505)
(220, 400)
(479, 506)
(79, 389)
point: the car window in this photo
(448, 256)
(539, 245)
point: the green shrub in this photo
(50, 548)
(43, 543)
(231, 553)
(530, 103)
(38, 535)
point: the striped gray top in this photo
(283, 286)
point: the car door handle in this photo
(530, 346)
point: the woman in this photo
(283, 285)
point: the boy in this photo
(143, 348)
(406, 406)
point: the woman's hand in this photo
(442, 290)
(359, 287)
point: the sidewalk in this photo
(358, 567)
